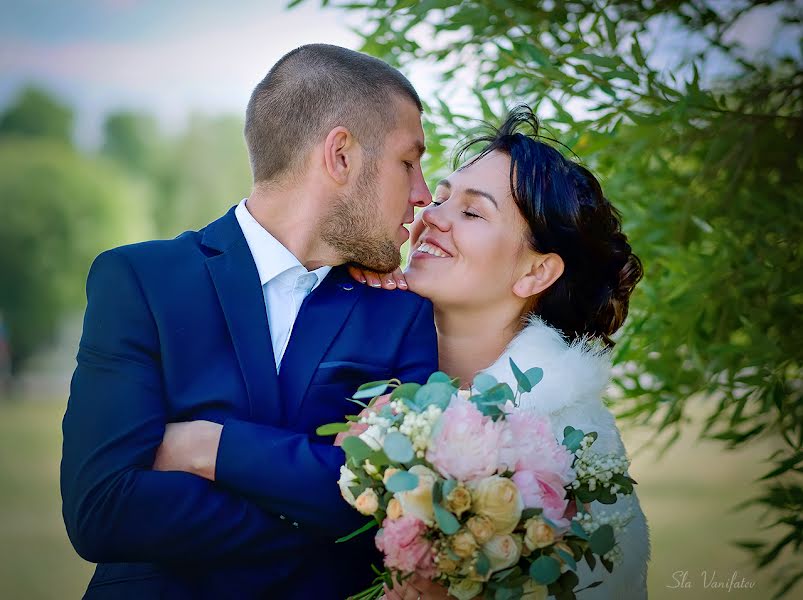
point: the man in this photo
(190, 465)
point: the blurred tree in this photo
(133, 139)
(699, 147)
(60, 210)
(207, 171)
(37, 113)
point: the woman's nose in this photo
(436, 216)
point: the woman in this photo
(523, 257)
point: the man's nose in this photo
(419, 194)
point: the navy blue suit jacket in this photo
(177, 330)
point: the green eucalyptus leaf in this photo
(439, 377)
(371, 389)
(405, 391)
(483, 382)
(521, 378)
(534, 375)
(402, 481)
(602, 540)
(545, 570)
(356, 449)
(567, 558)
(483, 563)
(398, 447)
(572, 441)
(578, 530)
(446, 521)
(332, 428)
(448, 486)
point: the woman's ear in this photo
(338, 152)
(544, 270)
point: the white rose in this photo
(418, 502)
(503, 551)
(374, 436)
(464, 589)
(346, 482)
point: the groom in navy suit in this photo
(191, 468)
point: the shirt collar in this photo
(270, 256)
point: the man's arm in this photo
(115, 507)
(289, 473)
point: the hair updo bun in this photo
(568, 215)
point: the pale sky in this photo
(173, 57)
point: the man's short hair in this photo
(309, 92)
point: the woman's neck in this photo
(470, 341)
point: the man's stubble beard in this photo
(352, 228)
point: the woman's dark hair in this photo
(567, 214)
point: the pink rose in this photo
(465, 444)
(542, 492)
(405, 548)
(530, 445)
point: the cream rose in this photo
(418, 502)
(459, 500)
(463, 543)
(498, 499)
(534, 591)
(346, 482)
(538, 534)
(481, 527)
(464, 589)
(367, 502)
(394, 509)
(503, 551)
(389, 472)
(446, 564)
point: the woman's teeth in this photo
(429, 249)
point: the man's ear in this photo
(545, 269)
(338, 153)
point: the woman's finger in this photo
(398, 276)
(357, 273)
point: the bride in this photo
(523, 257)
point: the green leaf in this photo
(371, 389)
(437, 492)
(332, 428)
(448, 486)
(483, 382)
(578, 530)
(356, 449)
(572, 441)
(602, 540)
(521, 378)
(437, 393)
(567, 558)
(369, 525)
(483, 563)
(402, 481)
(446, 521)
(398, 447)
(600, 61)
(405, 391)
(439, 377)
(545, 570)
(534, 375)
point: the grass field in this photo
(686, 496)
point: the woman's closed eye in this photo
(468, 213)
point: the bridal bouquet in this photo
(474, 493)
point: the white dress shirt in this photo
(285, 281)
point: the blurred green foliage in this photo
(63, 206)
(698, 148)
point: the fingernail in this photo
(402, 284)
(377, 284)
(363, 280)
(391, 282)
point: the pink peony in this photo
(405, 547)
(543, 492)
(465, 444)
(530, 445)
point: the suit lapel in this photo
(237, 284)
(320, 319)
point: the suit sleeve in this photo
(289, 473)
(116, 509)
